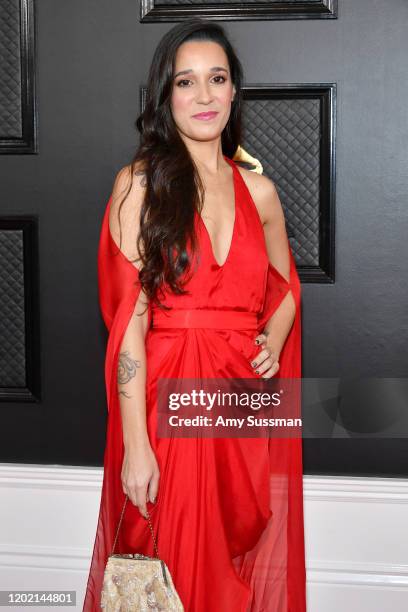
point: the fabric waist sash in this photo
(214, 319)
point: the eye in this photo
(180, 83)
(219, 76)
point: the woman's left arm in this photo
(279, 325)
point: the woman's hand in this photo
(140, 472)
(266, 362)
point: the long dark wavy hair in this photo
(173, 188)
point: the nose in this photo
(204, 95)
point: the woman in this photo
(197, 280)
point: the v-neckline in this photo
(207, 233)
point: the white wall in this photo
(356, 536)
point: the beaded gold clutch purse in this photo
(138, 582)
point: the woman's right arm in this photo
(140, 471)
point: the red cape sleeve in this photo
(118, 288)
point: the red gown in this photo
(228, 518)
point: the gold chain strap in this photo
(150, 525)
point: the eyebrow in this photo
(213, 69)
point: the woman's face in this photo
(201, 86)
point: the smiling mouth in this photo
(206, 116)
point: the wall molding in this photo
(79, 487)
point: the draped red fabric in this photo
(229, 513)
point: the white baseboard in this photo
(355, 529)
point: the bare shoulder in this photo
(264, 195)
(124, 214)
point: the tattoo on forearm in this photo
(125, 394)
(126, 370)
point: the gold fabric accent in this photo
(242, 155)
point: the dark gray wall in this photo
(92, 57)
